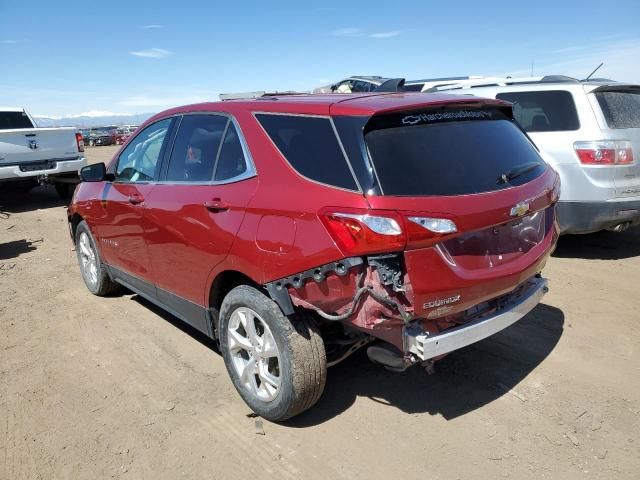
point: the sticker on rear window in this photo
(440, 116)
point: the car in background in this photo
(123, 133)
(99, 136)
(360, 84)
(30, 155)
(589, 131)
(296, 229)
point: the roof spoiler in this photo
(391, 85)
(256, 95)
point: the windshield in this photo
(451, 157)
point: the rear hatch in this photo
(475, 197)
(620, 107)
(35, 145)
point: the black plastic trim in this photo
(190, 313)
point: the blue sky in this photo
(61, 58)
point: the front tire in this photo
(93, 272)
(277, 364)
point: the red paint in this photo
(180, 237)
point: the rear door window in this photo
(196, 148)
(415, 156)
(543, 111)
(621, 109)
(231, 162)
(310, 146)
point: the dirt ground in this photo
(114, 388)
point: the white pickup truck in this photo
(31, 155)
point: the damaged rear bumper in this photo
(425, 346)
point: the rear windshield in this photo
(620, 109)
(451, 157)
(9, 120)
(545, 111)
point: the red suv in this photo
(296, 229)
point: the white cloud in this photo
(390, 34)
(348, 32)
(9, 42)
(152, 26)
(146, 101)
(152, 53)
(90, 113)
(620, 63)
(577, 48)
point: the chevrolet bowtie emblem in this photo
(520, 209)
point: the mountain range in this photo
(93, 118)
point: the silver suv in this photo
(589, 131)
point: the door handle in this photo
(136, 199)
(216, 205)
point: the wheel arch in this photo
(74, 221)
(222, 284)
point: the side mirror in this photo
(95, 173)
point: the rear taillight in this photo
(80, 142)
(366, 232)
(361, 232)
(426, 231)
(604, 152)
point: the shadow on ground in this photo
(16, 248)
(14, 201)
(600, 245)
(464, 381)
(176, 322)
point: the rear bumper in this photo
(54, 168)
(587, 217)
(426, 346)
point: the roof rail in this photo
(500, 81)
(256, 95)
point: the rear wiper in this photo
(517, 172)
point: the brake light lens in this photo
(80, 142)
(604, 152)
(360, 233)
(435, 225)
(424, 232)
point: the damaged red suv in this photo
(297, 229)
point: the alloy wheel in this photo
(254, 353)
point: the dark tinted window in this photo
(231, 162)
(620, 109)
(309, 144)
(452, 158)
(196, 147)
(414, 87)
(359, 86)
(9, 120)
(547, 111)
(139, 161)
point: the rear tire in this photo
(284, 357)
(65, 190)
(93, 272)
